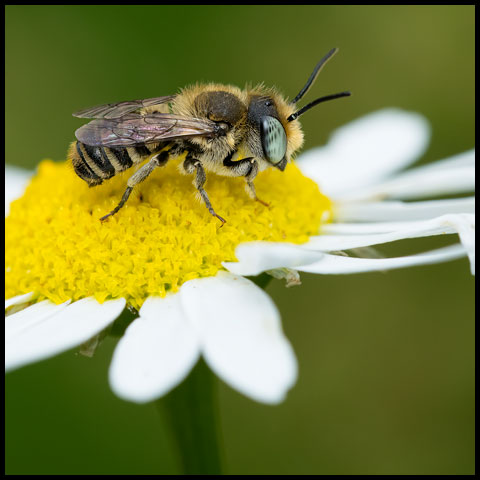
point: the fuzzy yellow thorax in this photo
(56, 246)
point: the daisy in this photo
(68, 276)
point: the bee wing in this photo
(134, 129)
(117, 110)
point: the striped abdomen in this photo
(96, 164)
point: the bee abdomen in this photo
(95, 164)
(84, 166)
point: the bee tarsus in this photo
(158, 161)
(262, 202)
(190, 165)
(125, 196)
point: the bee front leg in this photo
(139, 176)
(250, 187)
(248, 168)
(190, 164)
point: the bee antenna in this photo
(314, 74)
(295, 115)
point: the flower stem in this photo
(191, 411)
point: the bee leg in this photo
(250, 187)
(125, 196)
(189, 165)
(248, 168)
(139, 176)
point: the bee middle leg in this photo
(139, 176)
(190, 164)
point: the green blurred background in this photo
(386, 382)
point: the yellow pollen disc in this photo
(56, 246)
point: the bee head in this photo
(271, 128)
(263, 115)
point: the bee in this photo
(221, 128)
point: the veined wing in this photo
(134, 129)
(117, 110)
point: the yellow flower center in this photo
(56, 246)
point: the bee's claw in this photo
(262, 202)
(221, 219)
(108, 215)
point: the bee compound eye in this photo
(274, 139)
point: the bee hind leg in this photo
(139, 176)
(190, 164)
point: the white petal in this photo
(366, 151)
(425, 184)
(396, 210)
(451, 176)
(334, 264)
(156, 353)
(376, 233)
(28, 317)
(257, 257)
(18, 300)
(464, 159)
(16, 179)
(64, 329)
(242, 338)
(466, 231)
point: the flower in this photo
(189, 306)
